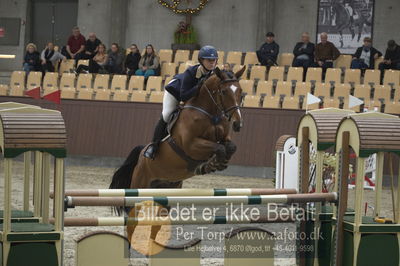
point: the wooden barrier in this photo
(202, 200)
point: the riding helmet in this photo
(208, 52)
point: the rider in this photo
(181, 88)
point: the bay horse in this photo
(199, 141)
(344, 21)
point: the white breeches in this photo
(169, 105)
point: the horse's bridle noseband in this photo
(227, 113)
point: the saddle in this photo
(173, 118)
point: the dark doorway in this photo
(52, 20)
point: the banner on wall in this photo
(347, 22)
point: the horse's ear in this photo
(240, 72)
(219, 73)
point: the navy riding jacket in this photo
(184, 85)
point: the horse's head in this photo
(228, 95)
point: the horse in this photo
(345, 21)
(199, 142)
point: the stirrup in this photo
(151, 151)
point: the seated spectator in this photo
(365, 56)
(97, 63)
(304, 52)
(227, 67)
(50, 58)
(91, 46)
(392, 58)
(31, 59)
(76, 45)
(115, 60)
(132, 60)
(325, 53)
(149, 63)
(268, 53)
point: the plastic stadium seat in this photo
(276, 73)
(136, 83)
(302, 88)
(221, 57)
(335, 103)
(343, 61)
(251, 101)
(84, 81)
(17, 79)
(372, 76)
(85, 94)
(50, 81)
(250, 58)
(392, 76)
(168, 70)
(264, 87)
(291, 103)
(323, 89)
(165, 55)
(3, 89)
(118, 82)
(234, 57)
(102, 95)
(314, 73)
(195, 55)
(67, 81)
(271, 102)
(362, 91)
(121, 95)
(352, 76)
(342, 90)
(333, 74)
(236, 68)
(154, 83)
(34, 80)
(156, 97)
(258, 73)
(285, 59)
(247, 86)
(167, 80)
(66, 66)
(283, 88)
(181, 56)
(295, 73)
(17, 91)
(83, 62)
(101, 82)
(378, 61)
(183, 66)
(392, 108)
(382, 92)
(139, 96)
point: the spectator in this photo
(75, 45)
(304, 52)
(91, 46)
(132, 60)
(149, 63)
(325, 53)
(97, 63)
(50, 57)
(115, 60)
(392, 58)
(31, 59)
(365, 56)
(268, 53)
(227, 67)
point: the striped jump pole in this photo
(126, 221)
(176, 192)
(202, 200)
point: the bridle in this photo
(222, 112)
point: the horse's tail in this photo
(122, 177)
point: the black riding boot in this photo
(160, 132)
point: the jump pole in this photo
(127, 221)
(202, 200)
(176, 192)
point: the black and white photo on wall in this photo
(347, 22)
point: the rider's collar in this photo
(201, 71)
